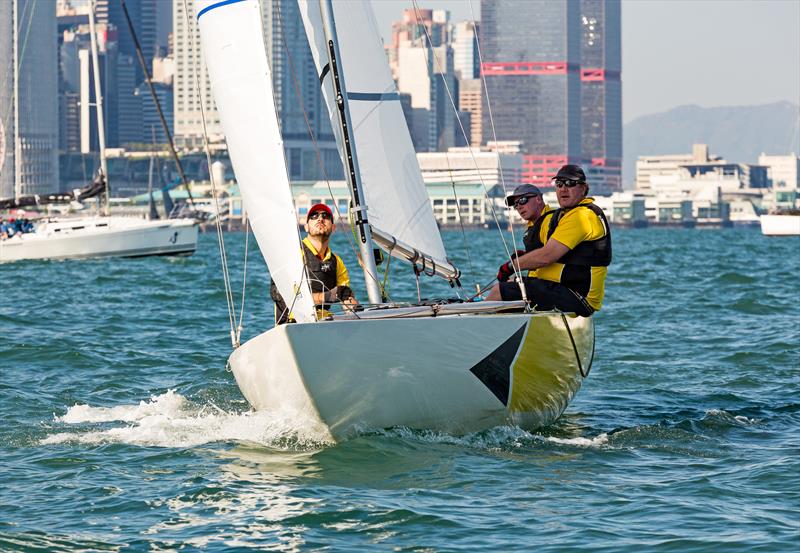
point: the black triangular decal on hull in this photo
(494, 370)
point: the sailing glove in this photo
(507, 268)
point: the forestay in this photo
(241, 80)
(397, 201)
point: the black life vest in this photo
(321, 273)
(322, 277)
(577, 262)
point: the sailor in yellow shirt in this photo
(327, 274)
(570, 250)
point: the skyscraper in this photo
(601, 90)
(296, 86)
(465, 50)
(532, 62)
(421, 59)
(28, 98)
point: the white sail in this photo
(397, 201)
(241, 83)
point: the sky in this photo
(676, 52)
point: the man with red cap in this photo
(327, 274)
(568, 251)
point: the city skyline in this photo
(660, 73)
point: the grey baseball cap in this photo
(522, 190)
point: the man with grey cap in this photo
(567, 252)
(527, 200)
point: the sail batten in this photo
(395, 193)
(241, 81)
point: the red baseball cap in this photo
(320, 207)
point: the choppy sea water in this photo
(122, 430)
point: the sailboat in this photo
(100, 235)
(445, 366)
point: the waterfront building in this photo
(784, 174)
(29, 121)
(648, 167)
(293, 71)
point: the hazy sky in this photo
(676, 52)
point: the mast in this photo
(15, 96)
(351, 170)
(101, 132)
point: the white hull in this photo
(85, 237)
(780, 225)
(449, 373)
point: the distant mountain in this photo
(737, 133)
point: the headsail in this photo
(397, 201)
(241, 82)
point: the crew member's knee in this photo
(494, 293)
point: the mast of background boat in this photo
(151, 205)
(164, 125)
(359, 208)
(15, 95)
(98, 103)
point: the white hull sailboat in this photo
(113, 236)
(102, 235)
(451, 373)
(454, 367)
(780, 224)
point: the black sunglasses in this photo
(569, 183)
(522, 200)
(317, 214)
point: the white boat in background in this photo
(781, 224)
(77, 237)
(114, 236)
(449, 366)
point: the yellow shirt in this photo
(576, 226)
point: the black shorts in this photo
(545, 295)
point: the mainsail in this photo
(241, 82)
(397, 201)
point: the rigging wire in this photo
(217, 220)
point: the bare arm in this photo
(550, 253)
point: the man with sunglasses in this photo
(567, 249)
(328, 276)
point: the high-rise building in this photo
(470, 99)
(423, 68)
(28, 92)
(601, 90)
(534, 69)
(465, 50)
(296, 86)
(121, 108)
(531, 64)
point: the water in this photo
(122, 430)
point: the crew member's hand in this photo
(505, 272)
